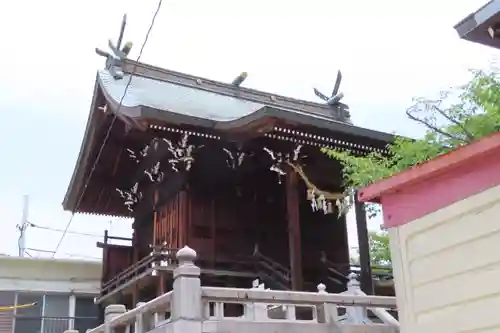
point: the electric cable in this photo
(72, 255)
(109, 129)
(67, 232)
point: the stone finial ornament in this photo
(186, 256)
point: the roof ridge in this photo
(339, 113)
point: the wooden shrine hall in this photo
(235, 173)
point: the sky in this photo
(389, 51)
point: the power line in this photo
(39, 250)
(72, 255)
(62, 230)
(109, 129)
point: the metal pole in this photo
(23, 226)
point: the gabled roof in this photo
(158, 80)
(157, 94)
(475, 26)
(188, 96)
(169, 97)
(182, 98)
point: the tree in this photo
(380, 253)
(458, 117)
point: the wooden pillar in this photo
(213, 232)
(293, 218)
(366, 279)
(156, 216)
(183, 219)
(160, 288)
(135, 259)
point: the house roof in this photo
(438, 182)
(475, 26)
(172, 98)
(162, 80)
(182, 98)
(157, 94)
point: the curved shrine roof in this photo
(169, 97)
(165, 96)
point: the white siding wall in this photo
(447, 267)
(59, 279)
(50, 275)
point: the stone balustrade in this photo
(191, 308)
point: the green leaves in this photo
(458, 117)
(361, 170)
(380, 252)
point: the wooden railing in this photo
(145, 266)
(191, 308)
(267, 268)
(378, 272)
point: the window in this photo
(86, 314)
(55, 313)
(27, 298)
(28, 324)
(51, 313)
(28, 319)
(85, 307)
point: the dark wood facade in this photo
(224, 198)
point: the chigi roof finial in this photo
(338, 110)
(336, 96)
(118, 53)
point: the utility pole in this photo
(23, 226)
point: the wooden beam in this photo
(293, 218)
(123, 286)
(214, 272)
(366, 279)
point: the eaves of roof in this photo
(180, 99)
(474, 27)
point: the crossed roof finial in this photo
(115, 59)
(336, 96)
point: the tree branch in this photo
(434, 128)
(455, 122)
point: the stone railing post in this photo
(143, 321)
(186, 315)
(112, 311)
(257, 311)
(355, 314)
(326, 313)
